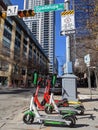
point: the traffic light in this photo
(31, 12)
(3, 15)
(26, 13)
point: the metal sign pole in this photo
(87, 61)
(96, 78)
(68, 66)
(89, 83)
(68, 28)
(66, 6)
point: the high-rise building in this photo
(42, 25)
(85, 40)
(83, 13)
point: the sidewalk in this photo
(87, 90)
(86, 93)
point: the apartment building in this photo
(20, 52)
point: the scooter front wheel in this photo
(48, 110)
(28, 119)
(72, 121)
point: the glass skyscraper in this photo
(42, 25)
(84, 13)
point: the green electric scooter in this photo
(52, 105)
(68, 119)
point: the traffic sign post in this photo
(12, 10)
(89, 82)
(68, 79)
(50, 7)
(87, 62)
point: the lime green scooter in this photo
(32, 115)
(49, 107)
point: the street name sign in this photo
(12, 10)
(50, 7)
(67, 22)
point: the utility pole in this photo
(69, 89)
(68, 65)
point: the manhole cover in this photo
(96, 126)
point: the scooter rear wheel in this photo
(72, 120)
(82, 109)
(28, 119)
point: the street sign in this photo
(50, 7)
(12, 10)
(67, 22)
(87, 59)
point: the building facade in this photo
(43, 27)
(20, 52)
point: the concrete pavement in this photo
(87, 94)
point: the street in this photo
(14, 102)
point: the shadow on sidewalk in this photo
(13, 91)
(88, 100)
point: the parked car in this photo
(57, 90)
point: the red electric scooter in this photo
(39, 82)
(36, 100)
(60, 103)
(46, 97)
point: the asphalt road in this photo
(14, 102)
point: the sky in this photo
(60, 41)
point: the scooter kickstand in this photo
(41, 124)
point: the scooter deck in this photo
(51, 118)
(69, 108)
(74, 102)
